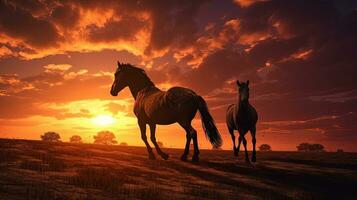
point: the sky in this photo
(57, 60)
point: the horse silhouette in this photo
(153, 106)
(242, 117)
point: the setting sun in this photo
(103, 120)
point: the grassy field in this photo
(39, 170)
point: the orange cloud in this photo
(57, 68)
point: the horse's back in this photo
(180, 95)
(166, 107)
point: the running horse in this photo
(242, 117)
(154, 106)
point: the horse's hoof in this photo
(165, 156)
(195, 159)
(152, 157)
(184, 157)
(235, 153)
(254, 159)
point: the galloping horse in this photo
(242, 117)
(153, 106)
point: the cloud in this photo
(24, 97)
(4, 51)
(247, 3)
(143, 28)
(56, 68)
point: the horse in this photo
(242, 117)
(156, 107)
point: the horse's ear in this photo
(247, 82)
(238, 83)
(120, 66)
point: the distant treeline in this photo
(108, 138)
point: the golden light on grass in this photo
(103, 120)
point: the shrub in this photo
(123, 144)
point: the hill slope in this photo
(39, 170)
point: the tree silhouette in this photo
(265, 147)
(316, 148)
(51, 137)
(75, 139)
(105, 137)
(306, 147)
(303, 147)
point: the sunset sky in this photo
(57, 60)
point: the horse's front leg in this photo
(245, 147)
(142, 126)
(153, 140)
(240, 138)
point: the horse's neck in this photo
(243, 107)
(136, 89)
(137, 86)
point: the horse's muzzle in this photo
(113, 93)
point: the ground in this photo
(40, 170)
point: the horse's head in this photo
(243, 88)
(120, 79)
(128, 75)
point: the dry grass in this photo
(7, 156)
(101, 178)
(43, 162)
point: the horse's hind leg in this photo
(195, 145)
(188, 141)
(231, 131)
(153, 140)
(254, 141)
(143, 137)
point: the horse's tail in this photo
(208, 123)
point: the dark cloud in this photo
(21, 24)
(124, 29)
(216, 69)
(173, 23)
(66, 16)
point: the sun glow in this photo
(103, 120)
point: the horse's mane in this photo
(140, 71)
